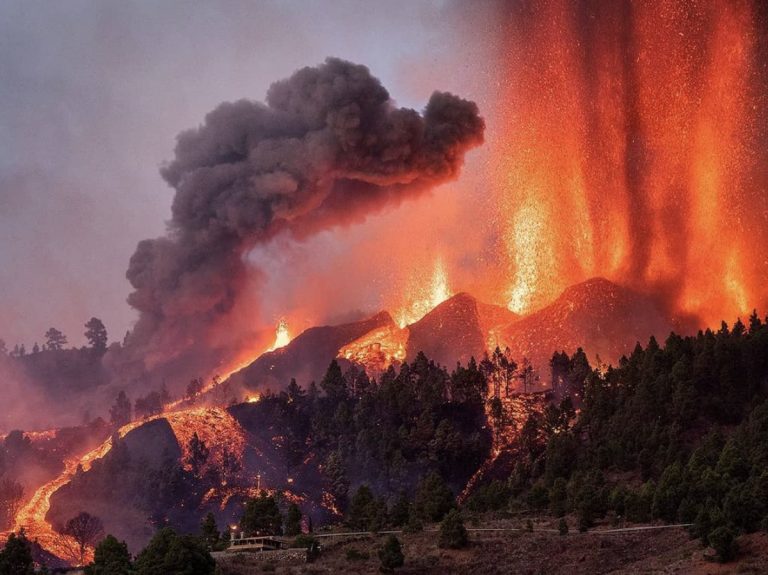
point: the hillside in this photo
(307, 356)
(456, 330)
(601, 317)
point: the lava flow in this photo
(31, 517)
(215, 426)
(378, 349)
(282, 338)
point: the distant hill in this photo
(306, 358)
(601, 317)
(456, 330)
(597, 315)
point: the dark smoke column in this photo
(327, 149)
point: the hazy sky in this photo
(92, 95)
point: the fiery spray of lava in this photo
(423, 296)
(282, 335)
(634, 147)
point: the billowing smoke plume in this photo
(327, 149)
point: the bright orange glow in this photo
(377, 350)
(629, 146)
(282, 336)
(253, 398)
(422, 297)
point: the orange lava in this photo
(31, 516)
(377, 350)
(214, 426)
(282, 336)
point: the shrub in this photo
(391, 555)
(723, 541)
(453, 534)
(305, 541)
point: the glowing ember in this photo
(253, 398)
(425, 298)
(282, 336)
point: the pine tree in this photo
(293, 521)
(262, 516)
(96, 334)
(433, 498)
(209, 531)
(361, 509)
(120, 412)
(54, 339)
(723, 541)
(453, 534)
(16, 556)
(110, 557)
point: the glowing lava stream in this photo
(215, 426)
(282, 338)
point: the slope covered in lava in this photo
(455, 330)
(306, 357)
(597, 315)
(172, 469)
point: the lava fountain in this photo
(634, 145)
(282, 335)
(422, 296)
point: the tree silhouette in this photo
(209, 531)
(16, 556)
(11, 495)
(391, 555)
(293, 521)
(96, 334)
(86, 530)
(111, 557)
(120, 412)
(453, 534)
(198, 455)
(54, 339)
(262, 516)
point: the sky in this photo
(94, 93)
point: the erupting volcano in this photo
(330, 256)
